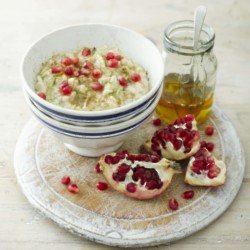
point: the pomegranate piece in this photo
(86, 52)
(110, 55)
(113, 63)
(75, 60)
(156, 122)
(135, 77)
(209, 146)
(65, 88)
(42, 95)
(177, 141)
(96, 73)
(209, 130)
(102, 185)
(139, 176)
(65, 180)
(205, 170)
(69, 71)
(97, 168)
(188, 195)
(66, 61)
(173, 204)
(96, 86)
(56, 70)
(122, 81)
(73, 188)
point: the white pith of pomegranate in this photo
(205, 170)
(177, 141)
(139, 176)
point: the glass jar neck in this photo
(178, 38)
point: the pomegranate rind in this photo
(142, 193)
(202, 179)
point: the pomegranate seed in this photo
(157, 122)
(96, 73)
(119, 176)
(122, 81)
(110, 55)
(96, 86)
(97, 168)
(88, 65)
(56, 69)
(102, 185)
(189, 125)
(123, 169)
(209, 130)
(177, 144)
(66, 61)
(131, 187)
(155, 147)
(198, 163)
(118, 57)
(152, 184)
(212, 174)
(65, 180)
(65, 88)
(69, 71)
(135, 77)
(188, 195)
(42, 95)
(155, 158)
(189, 118)
(73, 188)
(113, 63)
(210, 146)
(173, 204)
(108, 159)
(196, 170)
(85, 72)
(75, 60)
(86, 52)
(203, 144)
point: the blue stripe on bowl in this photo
(95, 118)
(92, 135)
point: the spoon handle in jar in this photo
(199, 17)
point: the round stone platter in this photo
(109, 217)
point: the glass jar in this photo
(190, 75)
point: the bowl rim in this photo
(91, 113)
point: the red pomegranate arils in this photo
(131, 187)
(66, 61)
(96, 73)
(88, 65)
(102, 185)
(212, 174)
(188, 195)
(136, 77)
(56, 69)
(118, 57)
(122, 81)
(173, 204)
(209, 146)
(156, 122)
(65, 88)
(65, 180)
(123, 169)
(69, 71)
(73, 188)
(209, 130)
(42, 95)
(75, 60)
(86, 52)
(96, 86)
(110, 55)
(97, 168)
(113, 63)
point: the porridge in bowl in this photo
(91, 79)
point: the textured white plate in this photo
(109, 217)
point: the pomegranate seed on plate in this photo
(97, 168)
(56, 69)
(69, 71)
(75, 60)
(156, 122)
(136, 77)
(66, 61)
(102, 185)
(65, 180)
(212, 174)
(110, 55)
(96, 73)
(96, 86)
(86, 52)
(173, 204)
(209, 130)
(210, 146)
(88, 65)
(122, 81)
(73, 188)
(65, 88)
(42, 95)
(188, 195)
(131, 187)
(113, 63)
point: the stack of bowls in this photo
(92, 133)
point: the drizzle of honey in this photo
(178, 99)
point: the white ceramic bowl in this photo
(131, 43)
(99, 140)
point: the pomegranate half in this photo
(177, 141)
(205, 170)
(139, 176)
